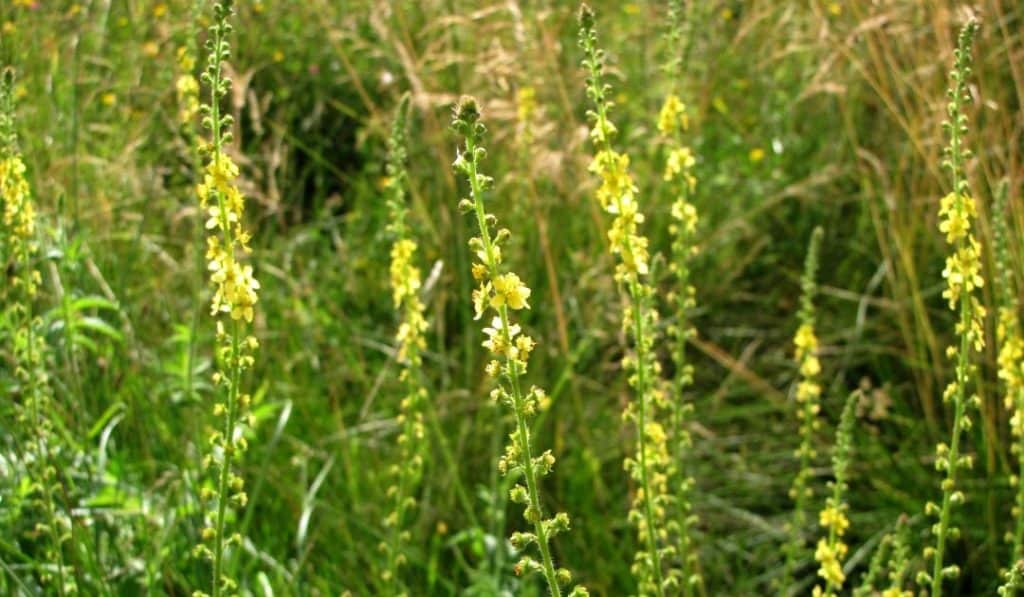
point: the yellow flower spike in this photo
(617, 195)
(234, 293)
(502, 293)
(808, 393)
(963, 278)
(405, 278)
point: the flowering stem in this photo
(638, 296)
(958, 290)
(525, 451)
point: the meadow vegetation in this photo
(511, 298)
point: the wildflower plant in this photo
(831, 550)
(962, 273)
(673, 122)
(617, 196)
(499, 294)
(405, 287)
(232, 305)
(18, 253)
(808, 405)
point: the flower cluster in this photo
(808, 406)
(501, 293)
(233, 306)
(233, 282)
(19, 217)
(963, 278)
(831, 549)
(652, 465)
(405, 288)
(17, 210)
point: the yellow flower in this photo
(481, 296)
(963, 272)
(956, 222)
(686, 214)
(673, 116)
(756, 154)
(679, 160)
(510, 290)
(109, 99)
(496, 341)
(526, 103)
(834, 518)
(829, 558)
(805, 341)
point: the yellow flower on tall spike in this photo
(411, 446)
(651, 463)
(808, 406)
(502, 292)
(232, 305)
(963, 278)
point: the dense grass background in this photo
(805, 114)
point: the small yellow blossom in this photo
(673, 117)
(680, 160)
(510, 290)
(109, 99)
(829, 557)
(756, 154)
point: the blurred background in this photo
(802, 114)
